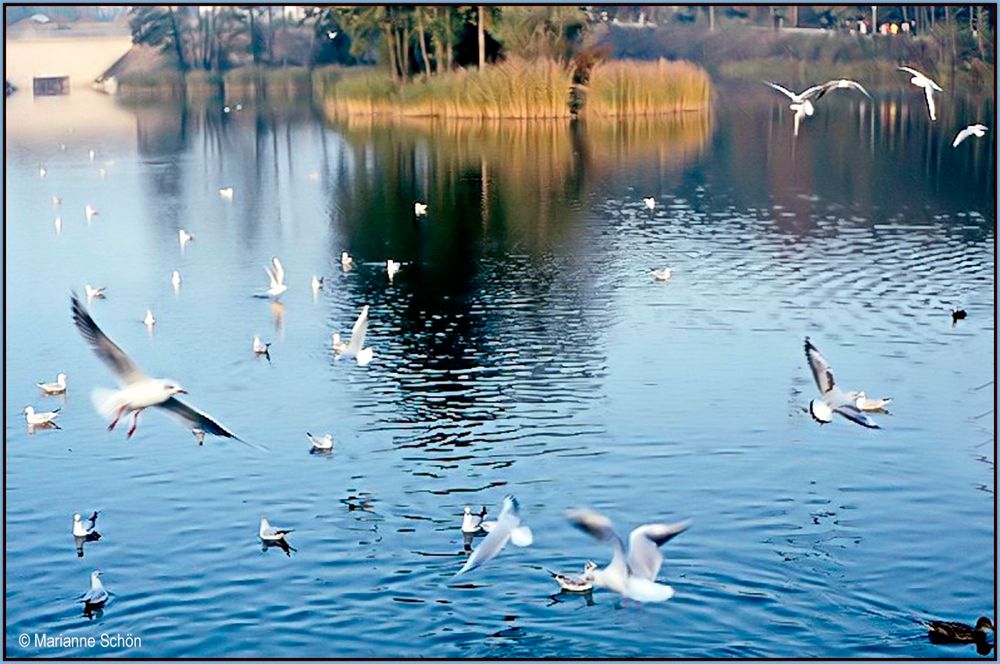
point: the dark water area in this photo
(522, 348)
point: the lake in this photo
(523, 348)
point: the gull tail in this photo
(106, 402)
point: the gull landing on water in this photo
(929, 86)
(508, 529)
(277, 278)
(58, 387)
(355, 347)
(138, 391)
(833, 400)
(633, 574)
(577, 584)
(977, 130)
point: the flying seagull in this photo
(508, 529)
(802, 102)
(354, 348)
(833, 399)
(929, 86)
(977, 130)
(632, 574)
(419, 209)
(138, 391)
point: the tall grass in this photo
(629, 87)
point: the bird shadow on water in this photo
(278, 544)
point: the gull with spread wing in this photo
(832, 398)
(929, 86)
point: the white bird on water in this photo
(56, 201)
(226, 193)
(977, 130)
(260, 348)
(632, 574)
(58, 387)
(472, 523)
(93, 293)
(508, 529)
(355, 347)
(90, 212)
(419, 209)
(34, 419)
(929, 86)
(85, 531)
(324, 444)
(833, 399)
(138, 391)
(317, 284)
(277, 278)
(577, 584)
(862, 401)
(649, 202)
(97, 595)
(58, 225)
(149, 321)
(92, 154)
(392, 267)
(175, 280)
(41, 171)
(663, 274)
(269, 533)
(346, 262)
(184, 237)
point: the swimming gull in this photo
(97, 595)
(261, 348)
(88, 532)
(269, 533)
(58, 387)
(346, 262)
(149, 321)
(649, 202)
(175, 280)
(324, 444)
(90, 212)
(662, 274)
(862, 401)
(41, 419)
(226, 193)
(472, 523)
(184, 237)
(392, 267)
(577, 584)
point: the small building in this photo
(50, 85)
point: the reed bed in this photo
(629, 87)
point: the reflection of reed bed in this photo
(246, 83)
(674, 139)
(514, 88)
(629, 87)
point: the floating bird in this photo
(832, 400)
(58, 387)
(56, 201)
(226, 193)
(862, 401)
(277, 278)
(97, 595)
(929, 86)
(577, 584)
(662, 274)
(41, 171)
(92, 154)
(419, 209)
(101, 172)
(41, 419)
(649, 202)
(175, 280)
(149, 321)
(957, 315)
(508, 529)
(317, 283)
(90, 212)
(977, 130)
(324, 444)
(339, 345)
(93, 293)
(226, 109)
(239, 107)
(260, 348)
(184, 237)
(332, 34)
(138, 391)
(632, 575)
(346, 262)
(392, 267)
(58, 225)
(472, 523)
(953, 633)
(269, 533)
(89, 533)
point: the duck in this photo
(947, 633)
(58, 387)
(957, 315)
(577, 584)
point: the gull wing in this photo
(110, 353)
(961, 136)
(846, 83)
(929, 94)
(270, 275)
(851, 412)
(358, 333)
(820, 369)
(815, 92)
(600, 527)
(911, 70)
(785, 91)
(496, 539)
(279, 270)
(194, 418)
(644, 557)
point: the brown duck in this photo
(944, 633)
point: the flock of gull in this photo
(635, 566)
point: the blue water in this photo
(523, 348)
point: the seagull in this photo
(844, 83)
(199, 435)
(832, 400)
(317, 283)
(97, 595)
(802, 102)
(41, 171)
(508, 529)
(40, 419)
(957, 315)
(324, 444)
(577, 584)
(138, 391)
(419, 209)
(184, 237)
(260, 348)
(632, 575)
(332, 34)
(149, 321)
(239, 107)
(175, 279)
(339, 345)
(58, 225)
(929, 86)
(58, 387)
(89, 533)
(101, 172)
(662, 274)
(92, 154)
(94, 292)
(226, 193)
(269, 533)
(346, 262)
(314, 175)
(226, 109)
(977, 130)
(392, 267)
(862, 401)
(90, 212)
(649, 202)
(472, 523)
(354, 348)
(277, 278)
(56, 201)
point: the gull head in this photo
(61, 379)
(76, 517)
(172, 388)
(95, 575)
(589, 567)
(29, 411)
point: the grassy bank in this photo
(624, 88)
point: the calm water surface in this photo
(523, 348)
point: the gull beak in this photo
(182, 391)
